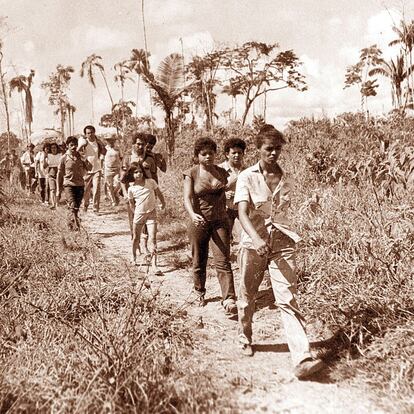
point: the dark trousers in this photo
(232, 215)
(43, 189)
(74, 195)
(218, 233)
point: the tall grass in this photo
(354, 207)
(81, 334)
(355, 211)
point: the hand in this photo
(262, 248)
(162, 206)
(229, 195)
(198, 220)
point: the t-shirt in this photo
(72, 169)
(39, 162)
(144, 196)
(53, 160)
(209, 196)
(112, 161)
(27, 160)
(92, 155)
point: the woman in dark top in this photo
(205, 202)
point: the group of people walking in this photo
(214, 197)
(259, 196)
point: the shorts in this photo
(145, 218)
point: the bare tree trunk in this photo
(146, 55)
(92, 103)
(107, 88)
(6, 104)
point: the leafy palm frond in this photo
(170, 73)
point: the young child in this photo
(71, 170)
(268, 242)
(142, 196)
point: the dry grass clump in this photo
(79, 334)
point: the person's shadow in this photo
(322, 376)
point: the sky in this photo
(327, 36)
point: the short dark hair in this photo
(129, 175)
(47, 145)
(142, 136)
(91, 127)
(71, 139)
(204, 143)
(234, 143)
(268, 131)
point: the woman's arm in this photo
(197, 219)
(259, 244)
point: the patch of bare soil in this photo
(262, 383)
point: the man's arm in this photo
(259, 244)
(161, 162)
(60, 175)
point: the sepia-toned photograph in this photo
(207, 206)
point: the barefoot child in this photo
(142, 196)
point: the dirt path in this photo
(263, 383)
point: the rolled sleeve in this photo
(242, 192)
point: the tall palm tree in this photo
(122, 76)
(405, 33)
(94, 62)
(23, 84)
(397, 72)
(167, 85)
(69, 116)
(137, 56)
(232, 90)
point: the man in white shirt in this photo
(94, 150)
(263, 195)
(234, 149)
(27, 160)
(40, 169)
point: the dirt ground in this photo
(262, 383)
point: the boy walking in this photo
(71, 170)
(268, 242)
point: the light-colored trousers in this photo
(92, 185)
(282, 269)
(112, 185)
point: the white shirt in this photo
(232, 178)
(266, 209)
(53, 160)
(39, 163)
(92, 155)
